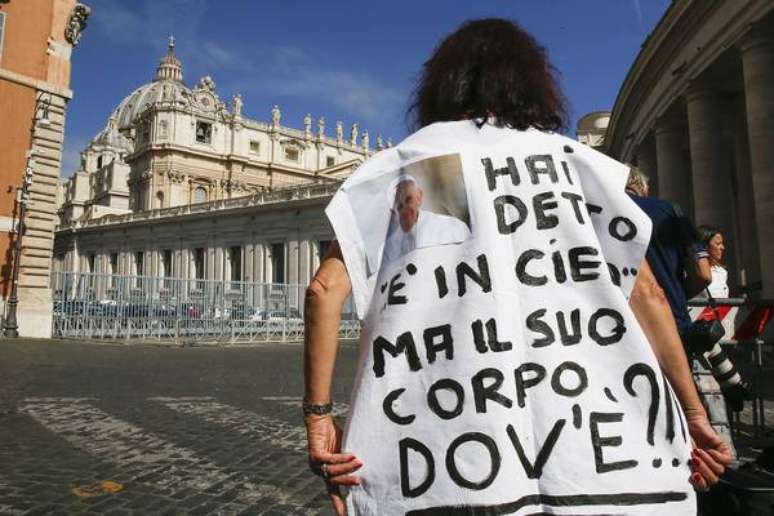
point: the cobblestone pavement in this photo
(120, 430)
(90, 428)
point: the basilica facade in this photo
(181, 184)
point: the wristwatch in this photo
(310, 409)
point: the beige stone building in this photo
(696, 113)
(179, 184)
(591, 128)
(37, 38)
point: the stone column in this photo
(306, 261)
(747, 237)
(646, 162)
(220, 267)
(757, 50)
(713, 200)
(258, 273)
(293, 272)
(674, 180)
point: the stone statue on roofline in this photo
(206, 83)
(353, 135)
(237, 105)
(339, 132)
(276, 115)
(321, 128)
(308, 126)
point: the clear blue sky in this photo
(344, 60)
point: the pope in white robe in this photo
(411, 227)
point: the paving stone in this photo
(216, 446)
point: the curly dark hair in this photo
(489, 68)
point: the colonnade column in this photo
(746, 232)
(674, 180)
(713, 200)
(646, 162)
(757, 51)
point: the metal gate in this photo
(105, 306)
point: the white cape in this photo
(505, 373)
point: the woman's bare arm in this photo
(652, 311)
(325, 299)
(651, 308)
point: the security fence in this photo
(105, 306)
(749, 341)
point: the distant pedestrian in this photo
(734, 388)
(713, 239)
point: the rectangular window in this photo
(200, 194)
(139, 259)
(2, 32)
(139, 268)
(166, 268)
(145, 132)
(292, 154)
(255, 147)
(198, 259)
(113, 269)
(330, 161)
(235, 264)
(203, 132)
(166, 263)
(278, 263)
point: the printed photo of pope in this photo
(412, 226)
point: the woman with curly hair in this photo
(504, 371)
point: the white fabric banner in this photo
(501, 370)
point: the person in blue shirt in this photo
(680, 262)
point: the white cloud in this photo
(149, 22)
(279, 71)
(357, 93)
(213, 56)
(119, 24)
(637, 11)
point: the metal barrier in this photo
(105, 306)
(745, 337)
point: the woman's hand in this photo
(710, 455)
(325, 458)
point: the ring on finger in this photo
(324, 470)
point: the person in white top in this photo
(713, 239)
(734, 388)
(411, 227)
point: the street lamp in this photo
(10, 325)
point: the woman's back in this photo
(501, 366)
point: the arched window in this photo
(200, 194)
(159, 200)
